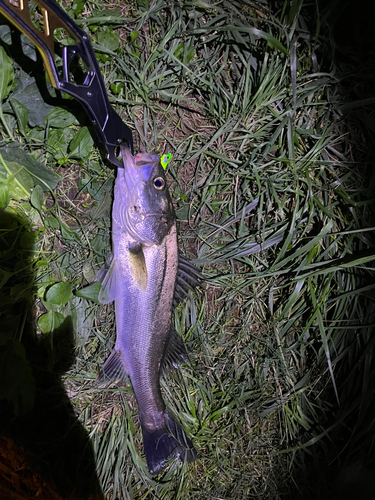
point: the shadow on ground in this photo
(35, 411)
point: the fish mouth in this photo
(126, 155)
(130, 172)
(139, 167)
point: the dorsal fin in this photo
(188, 278)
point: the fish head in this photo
(143, 206)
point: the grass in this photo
(274, 204)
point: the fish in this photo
(147, 277)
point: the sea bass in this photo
(145, 277)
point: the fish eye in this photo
(159, 183)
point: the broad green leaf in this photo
(133, 35)
(22, 114)
(109, 40)
(69, 233)
(4, 194)
(27, 92)
(36, 135)
(58, 141)
(117, 87)
(42, 176)
(51, 221)
(50, 321)
(90, 292)
(77, 7)
(9, 122)
(5, 34)
(60, 118)
(37, 197)
(18, 180)
(6, 74)
(81, 145)
(59, 293)
(98, 244)
(183, 212)
(6, 82)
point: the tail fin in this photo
(166, 443)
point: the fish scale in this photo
(142, 282)
(149, 337)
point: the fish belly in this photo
(143, 320)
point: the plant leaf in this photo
(110, 41)
(82, 144)
(18, 179)
(59, 293)
(4, 194)
(22, 114)
(13, 152)
(37, 197)
(6, 74)
(60, 118)
(90, 292)
(27, 93)
(58, 141)
(50, 321)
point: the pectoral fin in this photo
(138, 268)
(108, 277)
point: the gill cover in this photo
(143, 206)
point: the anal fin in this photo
(175, 352)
